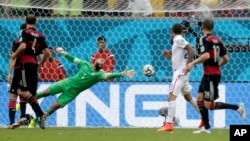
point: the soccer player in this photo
(181, 54)
(32, 42)
(212, 49)
(105, 54)
(13, 81)
(88, 75)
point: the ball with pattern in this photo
(148, 70)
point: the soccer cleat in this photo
(202, 130)
(41, 120)
(32, 123)
(167, 127)
(13, 126)
(20, 122)
(241, 110)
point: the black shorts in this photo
(209, 87)
(15, 81)
(29, 78)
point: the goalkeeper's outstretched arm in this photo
(67, 55)
(126, 73)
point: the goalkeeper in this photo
(71, 87)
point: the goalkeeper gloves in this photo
(128, 73)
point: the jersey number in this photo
(216, 49)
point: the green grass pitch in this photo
(109, 134)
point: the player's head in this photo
(99, 64)
(177, 29)
(101, 42)
(207, 25)
(30, 19)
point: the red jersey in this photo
(214, 46)
(35, 42)
(108, 57)
(52, 70)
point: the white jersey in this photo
(179, 54)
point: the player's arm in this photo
(18, 51)
(12, 63)
(126, 73)
(67, 55)
(224, 60)
(191, 53)
(205, 56)
(11, 67)
(21, 47)
(46, 53)
(223, 53)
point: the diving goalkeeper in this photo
(88, 75)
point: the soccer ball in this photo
(148, 70)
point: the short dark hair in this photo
(208, 24)
(177, 28)
(101, 38)
(30, 19)
(23, 26)
(50, 47)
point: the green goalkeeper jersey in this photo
(87, 76)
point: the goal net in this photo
(136, 32)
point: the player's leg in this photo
(13, 97)
(66, 97)
(164, 112)
(175, 89)
(22, 104)
(12, 108)
(186, 92)
(204, 87)
(213, 94)
(28, 90)
(53, 89)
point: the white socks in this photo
(171, 111)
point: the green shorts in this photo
(67, 92)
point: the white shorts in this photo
(180, 84)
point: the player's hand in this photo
(167, 54)
(9, 78)
(128, 73)
(188, 68)
(60, 50)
